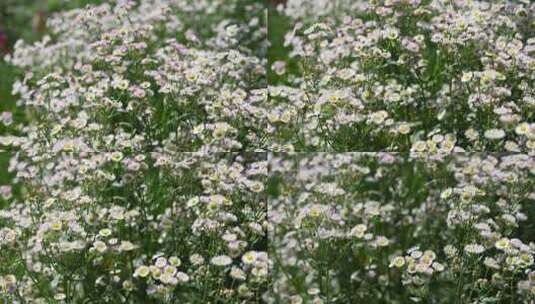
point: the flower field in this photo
(247, 151)
(393, 228)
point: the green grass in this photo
(278, 25)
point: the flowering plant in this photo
(394, 228)
(404, 75)
(114, 77)
(115, 198)
(176, 151)
(153, 227)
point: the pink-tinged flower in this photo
(5, 192)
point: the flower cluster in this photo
(418, 266)
(167, 151)
(117, 199)
(143, 227)
(114, 77)
(398, 228)
(435, 76)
